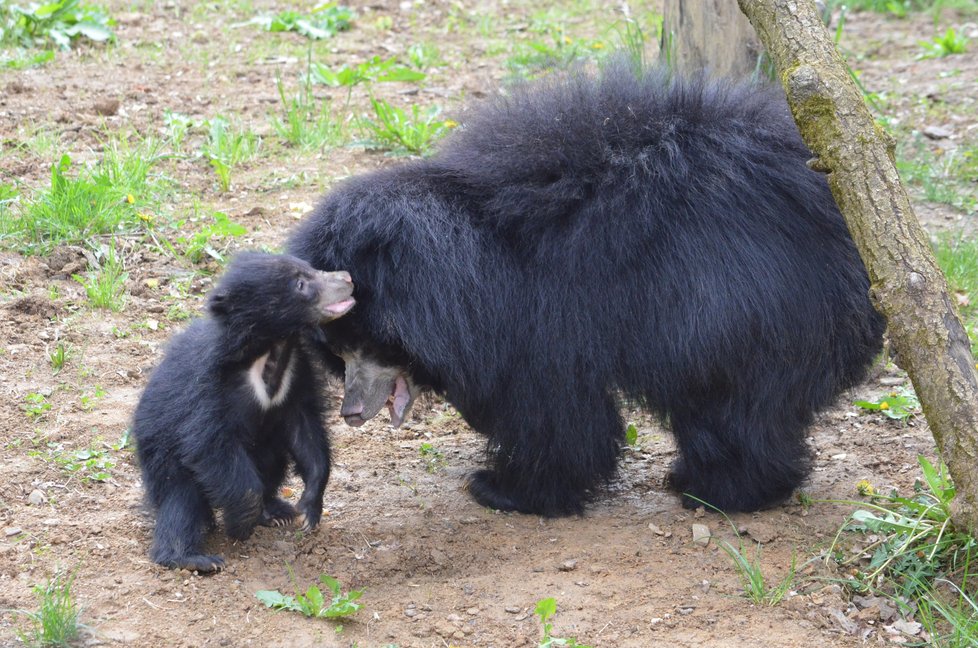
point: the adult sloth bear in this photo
(588, 238)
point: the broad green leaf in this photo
(277, 600)
(546, 608)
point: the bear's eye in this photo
(300, 285)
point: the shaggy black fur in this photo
(591, 237)
(233, 400)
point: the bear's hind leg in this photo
(182, 521)
(738, 462)
(550, 465)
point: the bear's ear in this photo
(217, 302)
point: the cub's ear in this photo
(217, 302)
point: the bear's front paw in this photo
(278, 513)
(309, 516)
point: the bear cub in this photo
(236, 398)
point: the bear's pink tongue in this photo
(401, 399)
(340, 306)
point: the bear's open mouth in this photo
(399, 401)
(340, 308)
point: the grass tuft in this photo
(104, 199)
(56, 621)
(105, 281)
(404, 132)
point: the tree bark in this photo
(708, 34)
(908, 287)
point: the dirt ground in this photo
(437, 570)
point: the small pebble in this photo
(701, 534)
(937, 132)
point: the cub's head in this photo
(277, 295)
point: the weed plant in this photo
(899, 405)
(401, 131)
(36, 405)
(911, 539)
(322, 22)
(313, 602)
(58, 23)
(903, 8)
(59, 357)
(948, 44)
(56, 621)
(546, 609)
(948, 179)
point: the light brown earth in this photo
(437, 570)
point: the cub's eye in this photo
(300, 285)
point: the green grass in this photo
(85, 203)
(949, 178)
(909, 539)
(958, 258)
(55, 623)
(756, 586)
(105, 280)
(911, 553)
(212, 240)
(307, 122)
(227, 146)
(177, 127)
(22, 59)
(59, 357)
(424, 56)
(902, 8)
(38, 140)
(8, 195)
(556, 50)
(949, 615)
(403, 131)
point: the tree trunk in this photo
(907, 285)
(708, 34)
